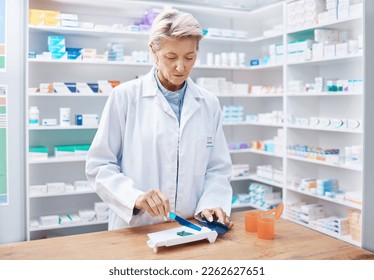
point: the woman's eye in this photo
(189, 58)
(170, 57)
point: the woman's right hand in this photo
(154, 203)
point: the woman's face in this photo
(175, 60)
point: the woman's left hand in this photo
(217, 214)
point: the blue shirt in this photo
(175, 98)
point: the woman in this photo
(160, 146)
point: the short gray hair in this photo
(174, 24)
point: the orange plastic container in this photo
(265, 228)
(251, 221)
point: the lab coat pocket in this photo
(202, 151)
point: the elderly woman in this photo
(160, 146)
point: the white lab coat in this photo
(136, 145)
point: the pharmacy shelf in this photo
(240, 178)
(250, 95)
(328, 61)
(58, 159)
(341, 202)
(131, 34)
(331, 24)
(40, 228)
(254, 177)
(87, 31)
(59, 127)
(346, 238)
(264, 67)
(254, 151)
(324, 93)
(252, 123)
(357, 131)
(247, 205)
(61, 194)
(265, 38)
(68, 95)
(320, 162)
(77, 62)
(145, 64)
(240, 151)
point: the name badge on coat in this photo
(209, 141)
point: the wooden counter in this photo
(292, 241)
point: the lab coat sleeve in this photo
(103, 168)
(217, 190)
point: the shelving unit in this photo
(306, 104)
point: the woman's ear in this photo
(153, 52)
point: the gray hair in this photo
(174, 24)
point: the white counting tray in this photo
(170, 237)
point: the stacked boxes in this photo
(263, 196)
(267, 172)
(239, 170)
(44, 17)
(355, 224)
(333, 224)
(304, 13)
(233, 113)
(102, 211)
(39, 152)
(305, 213)
(71, 150)
(56, 47)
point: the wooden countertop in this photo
(292, 242)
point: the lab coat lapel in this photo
(190, 103)
(150, 88)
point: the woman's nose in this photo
(180, 67)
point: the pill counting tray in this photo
(176, 236)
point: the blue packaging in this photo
(78, 120)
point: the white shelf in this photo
(254, 151)
(58, 127)
(88, 32)
(265, 38)
(252, 123)
(341, 202)
(133, 34)
(251, 95)
(247, 205)
(77, 62)
(41, 228)
(68, 95)
(254, 177)
(58, 159)
(240, 151)
(325, 129)
(324, 93)
(326, 61)
(320, 162)
(270, 66)
(330, 24)
(346, 238)
(61, 194)
(240, 178)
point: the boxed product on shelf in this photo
(263, 196)
(353, 196)
(355, 224)
(50, 220)
(64, 150)
(82, 185)
(40, 152)
(87, 215)
(81, 149)
(87, 119)
(38, 189)
(240, 170)
(56, 187)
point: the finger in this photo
(152, 206)
(165, 205)
(220, 214)
(206, 214)
(229, 223)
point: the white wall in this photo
(12, 217)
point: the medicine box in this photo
(49, 122)
(51, 220)
(38, 152)
(38, 189)
(329, 51)
(64, 150)
(341, 49)
(56, 41)
(56, 187)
